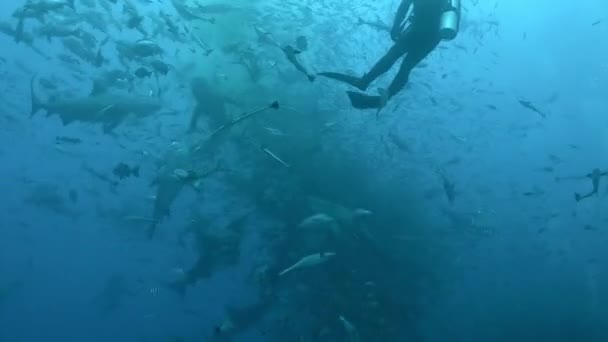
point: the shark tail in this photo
(577, 197)
(35, 100)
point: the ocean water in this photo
(168, 174)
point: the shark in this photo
(176, 174)
(168, 184)
(216, 248)
(209, 102)
(187, 14)
(107, 109)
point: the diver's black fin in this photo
(349, 79)
(363, 101)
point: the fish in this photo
(88, 39)
(187, 14)
(168, 186)
(590, 227)
(143, 72)
(99, 175)
(536, 192)
(378, 24)
(76, 47)
(8, 290)
(69, 59)
(209, 102)
(554, 159)
(597, 22)
(351, 330)
(302, 43)
(53, 30)
(95, 20)
(449, 188)
(316, 219)
(275, 157)
(217, 8)
(361, 212)
(73, 195)
(345, 217)
(146, 48)
(214, 250)
(135, 20)
(69, 140)
(137, 50)
(308, 261)
(18, 34)
(399, 141)
(123, 171)
(89, 3)
(275, 131)
(47, 84)
(191, 177)
(115, 290)
(530, 106)
(265, 37)
(38, 8)
(160, 67)
(118, 79)
(292, 55)
(133, 218)
(110, 110)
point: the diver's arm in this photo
(402, 11)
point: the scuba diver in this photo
(595, 176)
(414, 36)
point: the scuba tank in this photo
(450, 20)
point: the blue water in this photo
(513, 258)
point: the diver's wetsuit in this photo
(415, 42)
(595, 176)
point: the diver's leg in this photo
(386, 62)
(413, 57)
(352, 80)
(383, 65)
